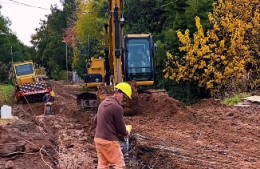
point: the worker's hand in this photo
(129, 128)
(127, 134)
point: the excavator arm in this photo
(115, 39)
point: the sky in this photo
(25, 19)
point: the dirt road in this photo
(166, 134)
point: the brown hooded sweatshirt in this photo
(109, 120)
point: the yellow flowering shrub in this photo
(226, 52)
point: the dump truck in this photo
(27, 87)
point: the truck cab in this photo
(24, 72)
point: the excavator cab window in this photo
(24, 69)
(139, 59)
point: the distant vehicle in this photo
(28, 87)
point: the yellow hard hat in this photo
(125, 88)
(52, 93)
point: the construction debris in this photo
(252, 100)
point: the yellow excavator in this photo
(128, 58)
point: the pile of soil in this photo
(168, 134)
(160, 115)
(207, 103)
(160, 105)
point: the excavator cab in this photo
(139, 59)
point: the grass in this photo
(6, 93)
(235, 100)
(6, 97)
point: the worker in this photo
(48, 98)
(39, 78)
(110, 126)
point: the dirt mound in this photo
(21, 141)
(207, 103)
(153, 131)
(163, 106)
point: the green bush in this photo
(235, 100)
(59, 74)
(4, 72)
(40, 71)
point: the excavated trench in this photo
(166, 134)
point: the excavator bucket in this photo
(89, 101)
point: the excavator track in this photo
(87, 101)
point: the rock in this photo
(9, 165)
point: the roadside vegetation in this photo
(6, 94)
(235, 99)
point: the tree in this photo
(88, 21)
(229, 51)
(51, 51)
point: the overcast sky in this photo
(25, 19)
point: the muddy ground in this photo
(166, 134)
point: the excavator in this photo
(128, 58)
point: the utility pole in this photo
(12, 55)
(66, 59)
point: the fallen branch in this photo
(13, 153)
(28, 141)
(43, 158)
(29, 105)
(48, 154)
(25, 111)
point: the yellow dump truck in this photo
(28, 88)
